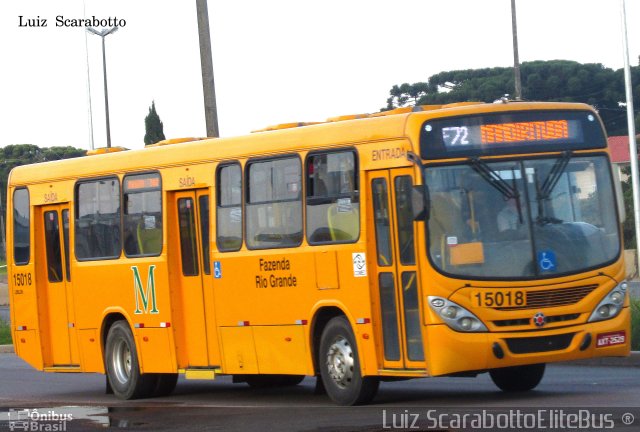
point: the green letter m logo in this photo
(150, 292)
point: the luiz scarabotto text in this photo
(62, 21)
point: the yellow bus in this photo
(428, 241)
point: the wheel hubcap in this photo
(121, 361)
(340, 362)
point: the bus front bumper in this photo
(453, 352)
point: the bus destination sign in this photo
(502, 133)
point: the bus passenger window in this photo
(229, 206)
(21, 227)
(142, 224)
(379, 195)
(97, 224)
(274, 203)
(404, 212)
(52, 242)
(203, 207)
(333, 205)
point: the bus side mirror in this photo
(419, 203)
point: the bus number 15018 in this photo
(21, 279)
(498, 299)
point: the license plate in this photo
(499, 298)
(609, 339)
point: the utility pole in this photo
(206, 64)
(633, 150)
(103, 34)
(516, 60)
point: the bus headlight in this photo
(611, 305)
(455, 316)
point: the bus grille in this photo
(527, 321)
(553, 297)
(528, 345)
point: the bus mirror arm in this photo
(419, 202)
(419, 193)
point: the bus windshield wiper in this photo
(509, 191)
(554, 176)
(491, 177)
(543, 192)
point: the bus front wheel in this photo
(340, 367)
(518, 378)
(121, 362)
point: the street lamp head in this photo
(94, 31)
(104, 32)
(111, 30)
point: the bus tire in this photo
(518, 378)
(121, 364)
(340, 366)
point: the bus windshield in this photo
(532, 218)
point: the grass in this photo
(635, 324)
(5, 333)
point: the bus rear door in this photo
(196, 337)
(395, 269)
(57, 321)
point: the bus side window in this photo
(229, 208)
(97, 225)
(333, 204)
(21, 227)
(274, 203)
(142, 225)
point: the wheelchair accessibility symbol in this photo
(547, 260)
(217, 270)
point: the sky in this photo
(275, 61)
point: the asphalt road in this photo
(222, 405)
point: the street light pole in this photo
(103, 34)
(633, 150)
(206, 65)
(516, 59)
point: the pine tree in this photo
(153, 126)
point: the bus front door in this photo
(57, 322)
(395, 269)
(193, 296)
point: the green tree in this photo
(15, 155)
(557, 80)
(153, 126)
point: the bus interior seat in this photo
(446, 220)
(344, 225)
(149, 239)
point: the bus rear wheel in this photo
(123, 369)
(518, 378)
(340, 366)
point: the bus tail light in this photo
(165, 324)
(611, 305)
(455, 316)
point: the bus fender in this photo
(321, 313)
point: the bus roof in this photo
(337, 131)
